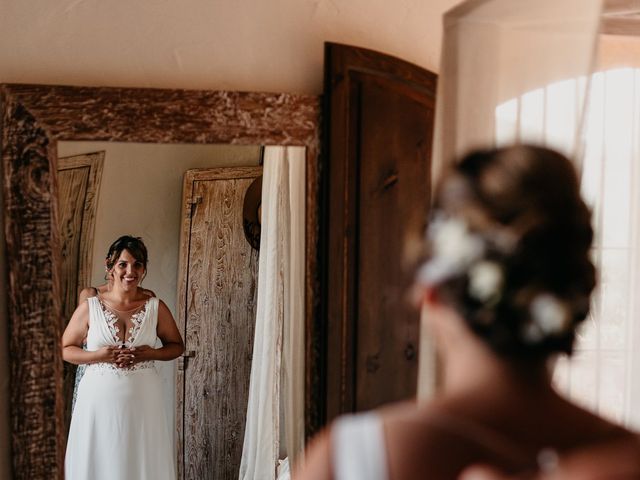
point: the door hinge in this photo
(182, 359)
(192, 202)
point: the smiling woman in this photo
(121, 327)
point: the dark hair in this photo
(522, 204)
(134, 245)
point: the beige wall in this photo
(274, 45)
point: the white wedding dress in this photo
(119, 427)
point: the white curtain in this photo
(496, 50)
(604, 372)
(547, 107)
(275, 412)
(497, 57)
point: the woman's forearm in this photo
(78, 356)
(168, 351)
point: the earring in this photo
(107, 274)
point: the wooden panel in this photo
(33, 118)
(79, 179)
(217, 310)
(72, 185)
(393, 198)
(78, 186)
(380, 111)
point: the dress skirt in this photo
(119, 427)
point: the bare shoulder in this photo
(147, 292)
(617, 457)
(401, 428)
(86, 293)
(162, 307)
(424, 441)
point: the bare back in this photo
(441, 440)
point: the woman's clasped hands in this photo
(121, 356)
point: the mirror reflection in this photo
(189, 204)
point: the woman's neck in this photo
(474, 367)
(122, 296)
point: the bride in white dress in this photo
(119, 428)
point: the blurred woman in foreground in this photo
(507, 281)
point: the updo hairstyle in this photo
(134, 245)
(508, 248)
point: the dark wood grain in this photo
(171, 116)
(34, 118)
(380, 113)
(34, 299)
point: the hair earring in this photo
(107, 274)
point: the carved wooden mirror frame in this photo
(34, 118)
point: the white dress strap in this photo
(358, 448)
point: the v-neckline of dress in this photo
(137, 319)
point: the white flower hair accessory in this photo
(485, 281)
(455, 251)
(549, 317)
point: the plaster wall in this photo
(274, 45)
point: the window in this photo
(604, 372)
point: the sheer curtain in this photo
(497, 50)
(604, 372)
(497, 58)
(275, 418)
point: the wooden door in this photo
(217, 306)
(78, 186)
(380, 113)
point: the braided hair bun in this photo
(508, 248)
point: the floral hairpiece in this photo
(457, 251)
(549, 316)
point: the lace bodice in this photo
(103, 329)
(136, 319)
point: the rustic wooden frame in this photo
(34, 118)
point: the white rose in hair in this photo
(453, 242)
(454, 249)
(549, 316)
(485, 281)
